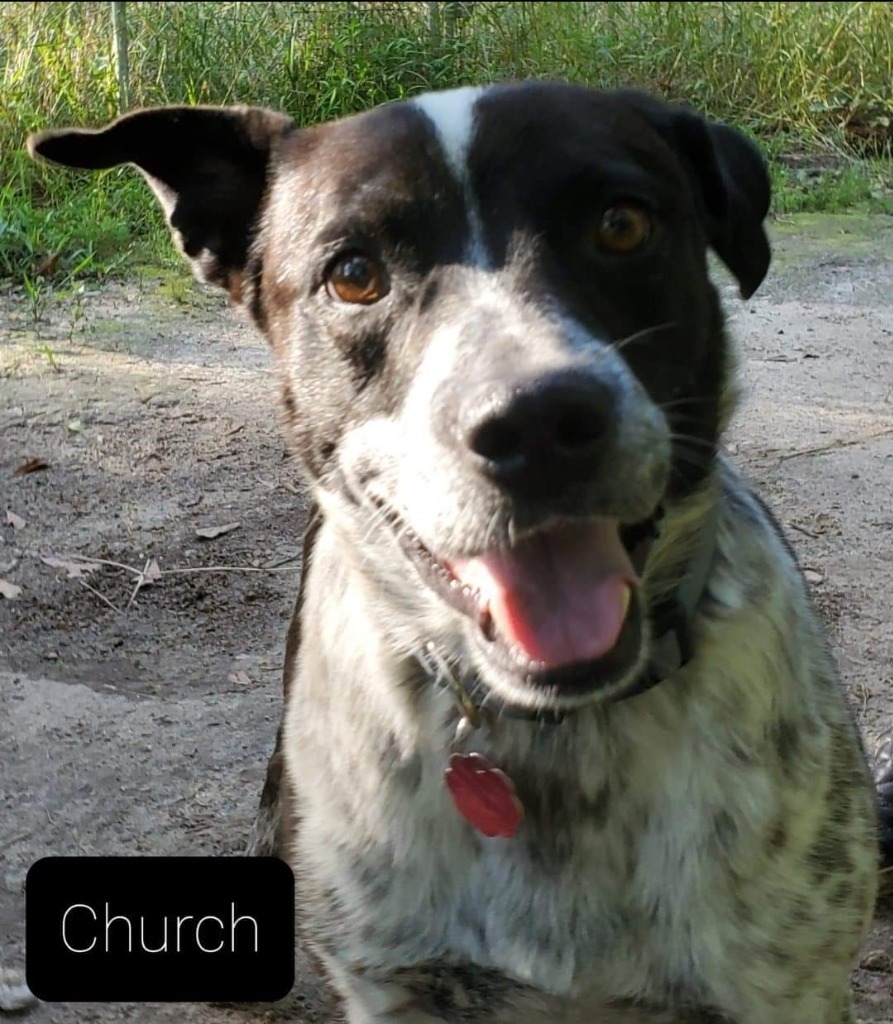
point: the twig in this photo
(834, 445)
(802, 529)
(282, 561)
(139, 584)
(279, 566)
(21, 837)
(228, 568)
(101, 597)
(105, 561)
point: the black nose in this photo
(548, 432)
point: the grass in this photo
(811, 81)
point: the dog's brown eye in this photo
(623, 228)
(357, 278)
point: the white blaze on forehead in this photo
(452, 115)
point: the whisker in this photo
(618, 346)
(689, 439)
(693, 400)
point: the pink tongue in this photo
(560, 597)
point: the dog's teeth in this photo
(488, 626)
(627, 598)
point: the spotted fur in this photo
(705, 851)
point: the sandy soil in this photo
(138, 719)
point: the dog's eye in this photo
(623, 228)
(357, 278)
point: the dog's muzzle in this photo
(561, 609)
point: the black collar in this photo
(673, 644)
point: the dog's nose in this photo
(549, 432)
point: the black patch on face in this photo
(376, 184)
(547, 161)
(367, 358)
(579, 156)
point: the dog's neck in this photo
(673, 644)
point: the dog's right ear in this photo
(208, 166)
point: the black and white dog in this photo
(563, 737)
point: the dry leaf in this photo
(47, 267)
(32, 466)
(73, 570)
(75, 426)
(152, 572)
(240, 678)
(16, 522)
(814, 576)
(9, 590)
(210, 532)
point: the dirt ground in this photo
(137, 710)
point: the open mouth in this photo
(561, 609)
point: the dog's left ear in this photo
(731, 182)
(208, 166)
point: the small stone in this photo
(14, 993)
(878, 961)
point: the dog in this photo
(563, 738)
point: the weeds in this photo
(50, 357)
(37, 293)
(810, 80)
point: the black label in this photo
(160, 929)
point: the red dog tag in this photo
(484, 795)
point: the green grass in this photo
(811, 81)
